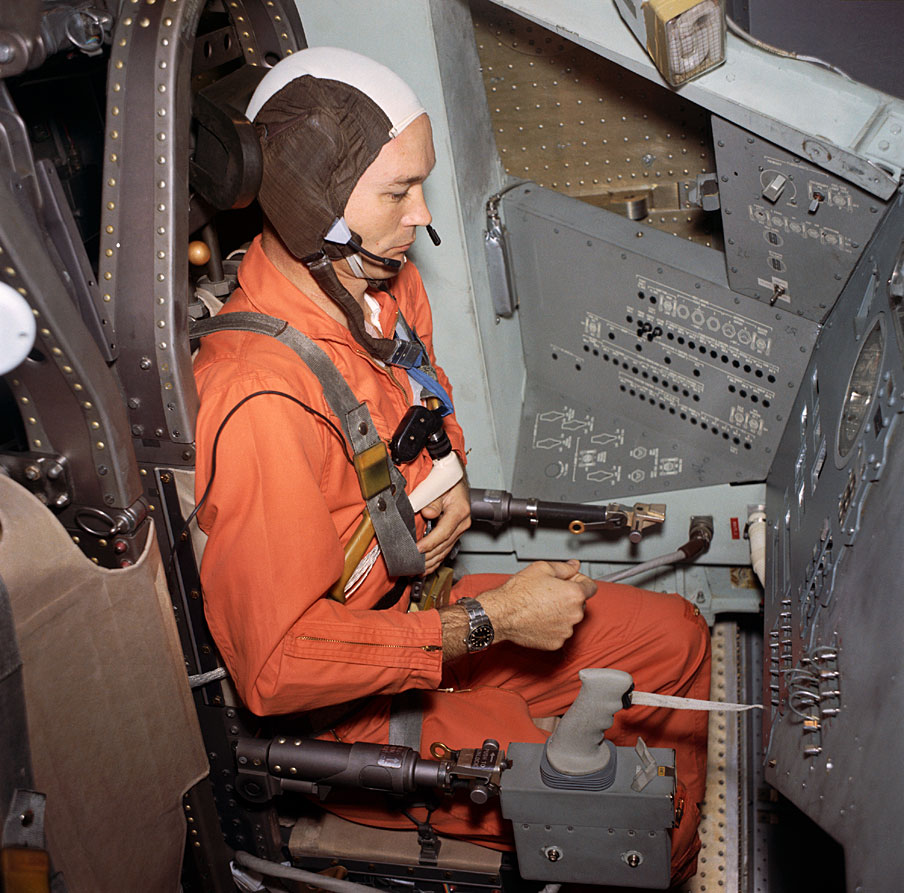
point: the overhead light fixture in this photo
(684, 38)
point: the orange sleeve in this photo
(273, 551)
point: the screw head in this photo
(7, 53)
(553, 854)
(145, 363)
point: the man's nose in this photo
(418, 212)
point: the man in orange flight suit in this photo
(345, 140)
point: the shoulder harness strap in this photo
(389, 508)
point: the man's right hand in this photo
(539, 606)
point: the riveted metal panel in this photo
(793, 230)
(575, 122)
(844, 127)
(644, 370)
(144, 259)
(833, 611)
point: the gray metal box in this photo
(618, 836)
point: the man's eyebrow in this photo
(407, 181)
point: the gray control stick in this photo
(577, 746)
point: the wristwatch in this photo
(480, 634)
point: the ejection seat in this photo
(224, 175)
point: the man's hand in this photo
(539, 606)
(536, 608)
(453, 509)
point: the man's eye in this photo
(398, 196)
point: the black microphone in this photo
(386, 261)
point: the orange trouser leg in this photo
(659, 639)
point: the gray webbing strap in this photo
(392, 515)
(405, 719)
(673, 702)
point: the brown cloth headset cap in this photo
(322, 116)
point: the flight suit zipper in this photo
(368, 644)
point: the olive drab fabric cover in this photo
(114, 735)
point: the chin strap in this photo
(321, 268)
(406, 350)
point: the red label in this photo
(735, 529)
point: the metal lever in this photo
(642, 516)
(499, 507)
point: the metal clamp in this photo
(642, 516)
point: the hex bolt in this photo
(61, 500)
(54, 470)
(109, 499)
(32, 472)
(134, 402)
(137, 430)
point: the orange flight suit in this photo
(285, 500)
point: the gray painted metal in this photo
(833, 604)
(143, 259)
(644, 370)
(776, 248)
(587, 836)
(845, 127)
(69, 402)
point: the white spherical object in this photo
(17, 328)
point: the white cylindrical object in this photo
(444, 475)
(17, 328)
(756, 534)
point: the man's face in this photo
(387, 203)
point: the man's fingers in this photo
(434, 509)
(588, 586)
(569, 570)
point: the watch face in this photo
(480, 637)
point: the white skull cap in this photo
(381, 84)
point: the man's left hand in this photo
(453, 511)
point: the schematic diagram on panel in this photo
(581, 453)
